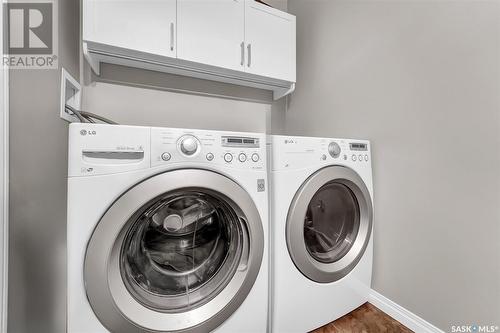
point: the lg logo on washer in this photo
(85, 132)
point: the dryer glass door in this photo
(329, 224)
(177, 252)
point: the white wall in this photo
(158, 105)
(421, 80)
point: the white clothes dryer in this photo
(321, 228)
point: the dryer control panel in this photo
(301, 152)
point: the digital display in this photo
(358, 146)
(240, 142)
(234, 140)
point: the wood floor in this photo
(365, 319)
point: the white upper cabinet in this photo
(143, 25)
(270, 41)
(211, 32)
(234, 41)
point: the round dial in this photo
(334, 149)
(189, 145)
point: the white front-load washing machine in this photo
(167, 230)
(321, 223)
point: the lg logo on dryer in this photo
(85, 132)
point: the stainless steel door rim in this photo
(321, 270)
(108, 295)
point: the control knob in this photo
(334, 149)
(189, 145)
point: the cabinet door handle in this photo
(249, 47)
(242, 47)
(171, 36)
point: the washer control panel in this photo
(235, 150)
(99, 149)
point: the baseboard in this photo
(405, 317)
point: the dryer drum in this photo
(331, 223)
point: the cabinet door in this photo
(144, 25)
(270, 41)
(211, 32)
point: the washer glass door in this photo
(329, 224)
(182, 250)
(177, 252)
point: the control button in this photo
(334, 149)
(189, 145)
(323, 157)
(366, 157)
(360, 157)
(242, 157)
(210, 156)
(228, 157)
(166, 156)
(353, 157)
(345, 157)
(255, 157)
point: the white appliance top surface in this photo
(97, 149)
